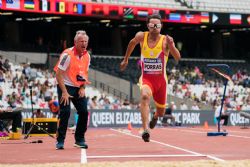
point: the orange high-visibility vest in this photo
(77, 67)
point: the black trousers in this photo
(223, 117)
(15, 116)
(64, 114)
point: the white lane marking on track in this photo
(193, 131)
(143, 156)
(168, 145)
(83, 156)
(216, 129)
(246, 137)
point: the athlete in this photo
(155, 49)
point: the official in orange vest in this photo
(155, 49)
(72, 77)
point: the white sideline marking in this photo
(143, 156)
(193, 131)
(246, 137)
(83, 156)
(168, 145)
(216, 129)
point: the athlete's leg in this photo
(160, 98)
(146, 93)
(159, 113)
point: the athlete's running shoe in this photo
(153, 122)
(146, 136)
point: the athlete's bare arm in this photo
(131, 46)
(170, 47)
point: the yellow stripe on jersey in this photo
(160, 105)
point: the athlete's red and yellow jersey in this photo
(153, 69)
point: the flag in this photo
(60, 7)
(79, 8)
(162, 14)
(235, 18)
(44, 5)
(248, 19)
(204, 17)
(155, 11)
(13, 4)
(128, 13)
(29, 4)
(113, 11)
(75, 8)
(188, 17)
(174, 17)
(97, 10)
(142, 13)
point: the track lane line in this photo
(168, 145)
(195, 131)
(142, 156)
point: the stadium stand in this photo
(240, 6)
(172, 4)
(14, 88)
(190, 79)
(187, 80)
(110, 65)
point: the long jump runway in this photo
(167, 144)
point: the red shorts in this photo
(158, 88)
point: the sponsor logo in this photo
(191, 118)
(152, 60)
(151, 53)
(65, 56)
(100, 119)
(236, 119)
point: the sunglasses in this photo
(151, 25)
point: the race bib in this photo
(153, 66)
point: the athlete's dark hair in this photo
(153, 16)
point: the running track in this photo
(167, 144)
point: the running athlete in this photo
(155, 49)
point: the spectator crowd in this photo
(17, 82)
